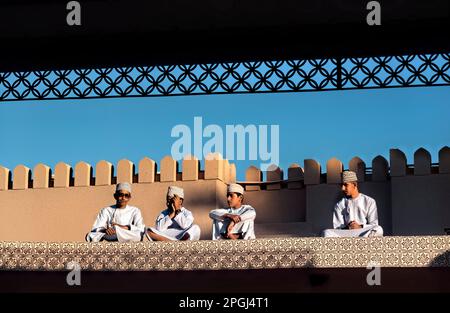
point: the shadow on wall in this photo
(200, 206)
(381, 192)
(278, 206)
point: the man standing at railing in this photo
(356, 214)
(120, 222)
(235, 222)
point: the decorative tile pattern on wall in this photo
(428, 251)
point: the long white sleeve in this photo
(184, 219)
(372, 214)
(163, 221)
(101, 222)
(338, 218)
(217, 214)
(98, 229)
(137, 223)
(248, 214)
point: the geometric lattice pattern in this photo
(225, 78)
(219, 255)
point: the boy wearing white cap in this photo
(175, 222)
(235, 222)
(120, 222)
(355, 215)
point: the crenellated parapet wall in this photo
(82, 175)
(381, 170)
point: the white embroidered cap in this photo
(235, 188)
(174, 190)
(123, 186)
(349, 177)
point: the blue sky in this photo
(317, 125)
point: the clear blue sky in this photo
(318, 125)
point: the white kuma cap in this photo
(349, 177)
(175, 191)
(235, 188)
(123, 186)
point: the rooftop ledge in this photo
(294, 252)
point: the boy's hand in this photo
(230, 227)
(110, 231)
(354, 225)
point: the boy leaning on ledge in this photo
(236, 221)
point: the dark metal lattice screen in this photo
(226, 78)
